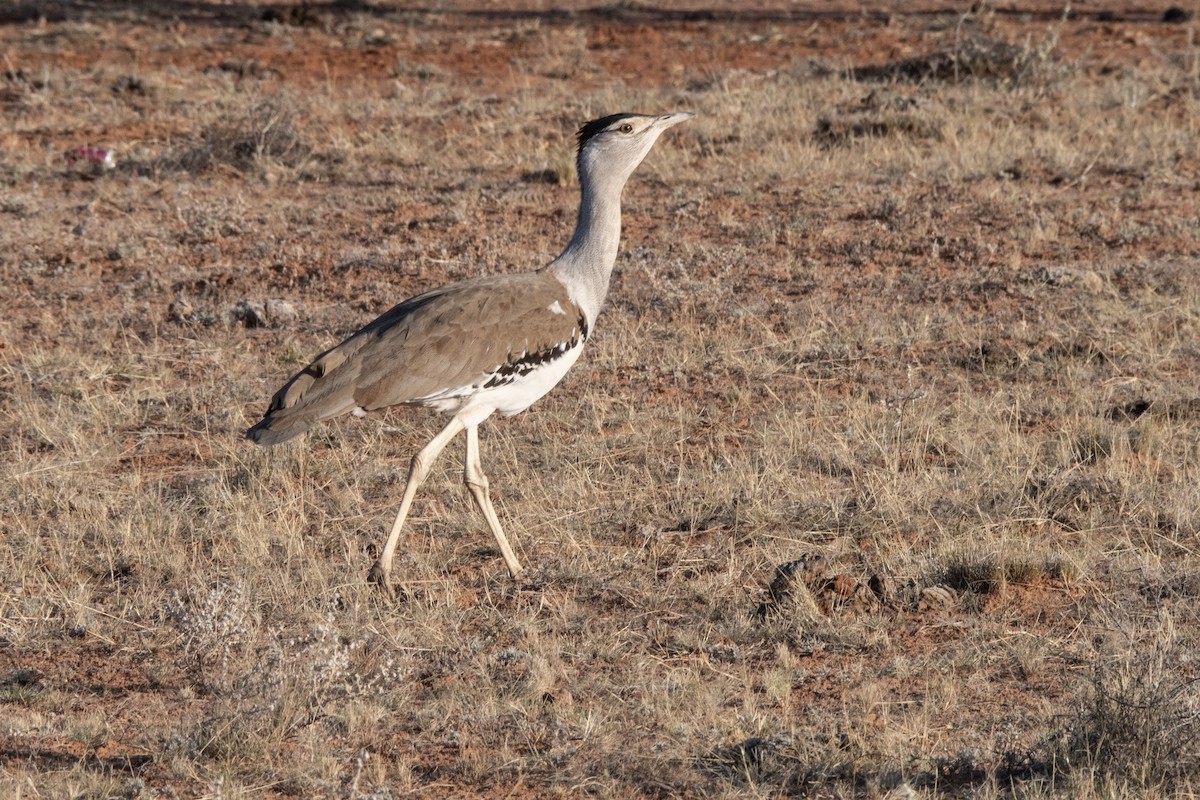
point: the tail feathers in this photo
(277, 430)
(281, 424)
(303, 402)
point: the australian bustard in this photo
(491, 344)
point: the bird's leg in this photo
(477, 483)
(417, 471)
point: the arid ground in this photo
(880, 476)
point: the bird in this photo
(491, 344)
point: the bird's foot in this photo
(379, 576)
(529, 581)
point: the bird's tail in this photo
(278, 427)
(313, 395)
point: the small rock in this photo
(883, 586)
(377, 38)
(724, 653)
(1176, 14)
(511, 655)
(1064, 276)
(242, 68)
(270, 313)
(938, 597)
(902, 792)
(180, 309)
(280, 311)
(125, 250)
(129, 84)
(843, 586)
(1129, 411)
(249, 313)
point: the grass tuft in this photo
(1137, 726)
(262, 137)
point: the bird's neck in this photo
(586, 263)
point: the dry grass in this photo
(933, 336)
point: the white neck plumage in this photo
(585, 265)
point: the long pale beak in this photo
(667, 120)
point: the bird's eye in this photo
(626, 128)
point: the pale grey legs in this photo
(476, 482)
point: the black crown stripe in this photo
(590, 129)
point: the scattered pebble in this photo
(249, 313)
(129, 84)
(181, 309)
(270, 313)
(938, 597)
(280, 311)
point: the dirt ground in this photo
(864, 671)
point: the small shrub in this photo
(973, 58)
(211, 628)
(980, 574)
(263, 135)
(1138, 723)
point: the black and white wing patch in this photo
(518, 365)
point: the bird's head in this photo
(611, 147)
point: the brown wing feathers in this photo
(451, 338)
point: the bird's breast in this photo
(512, 391)
(512, 387)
